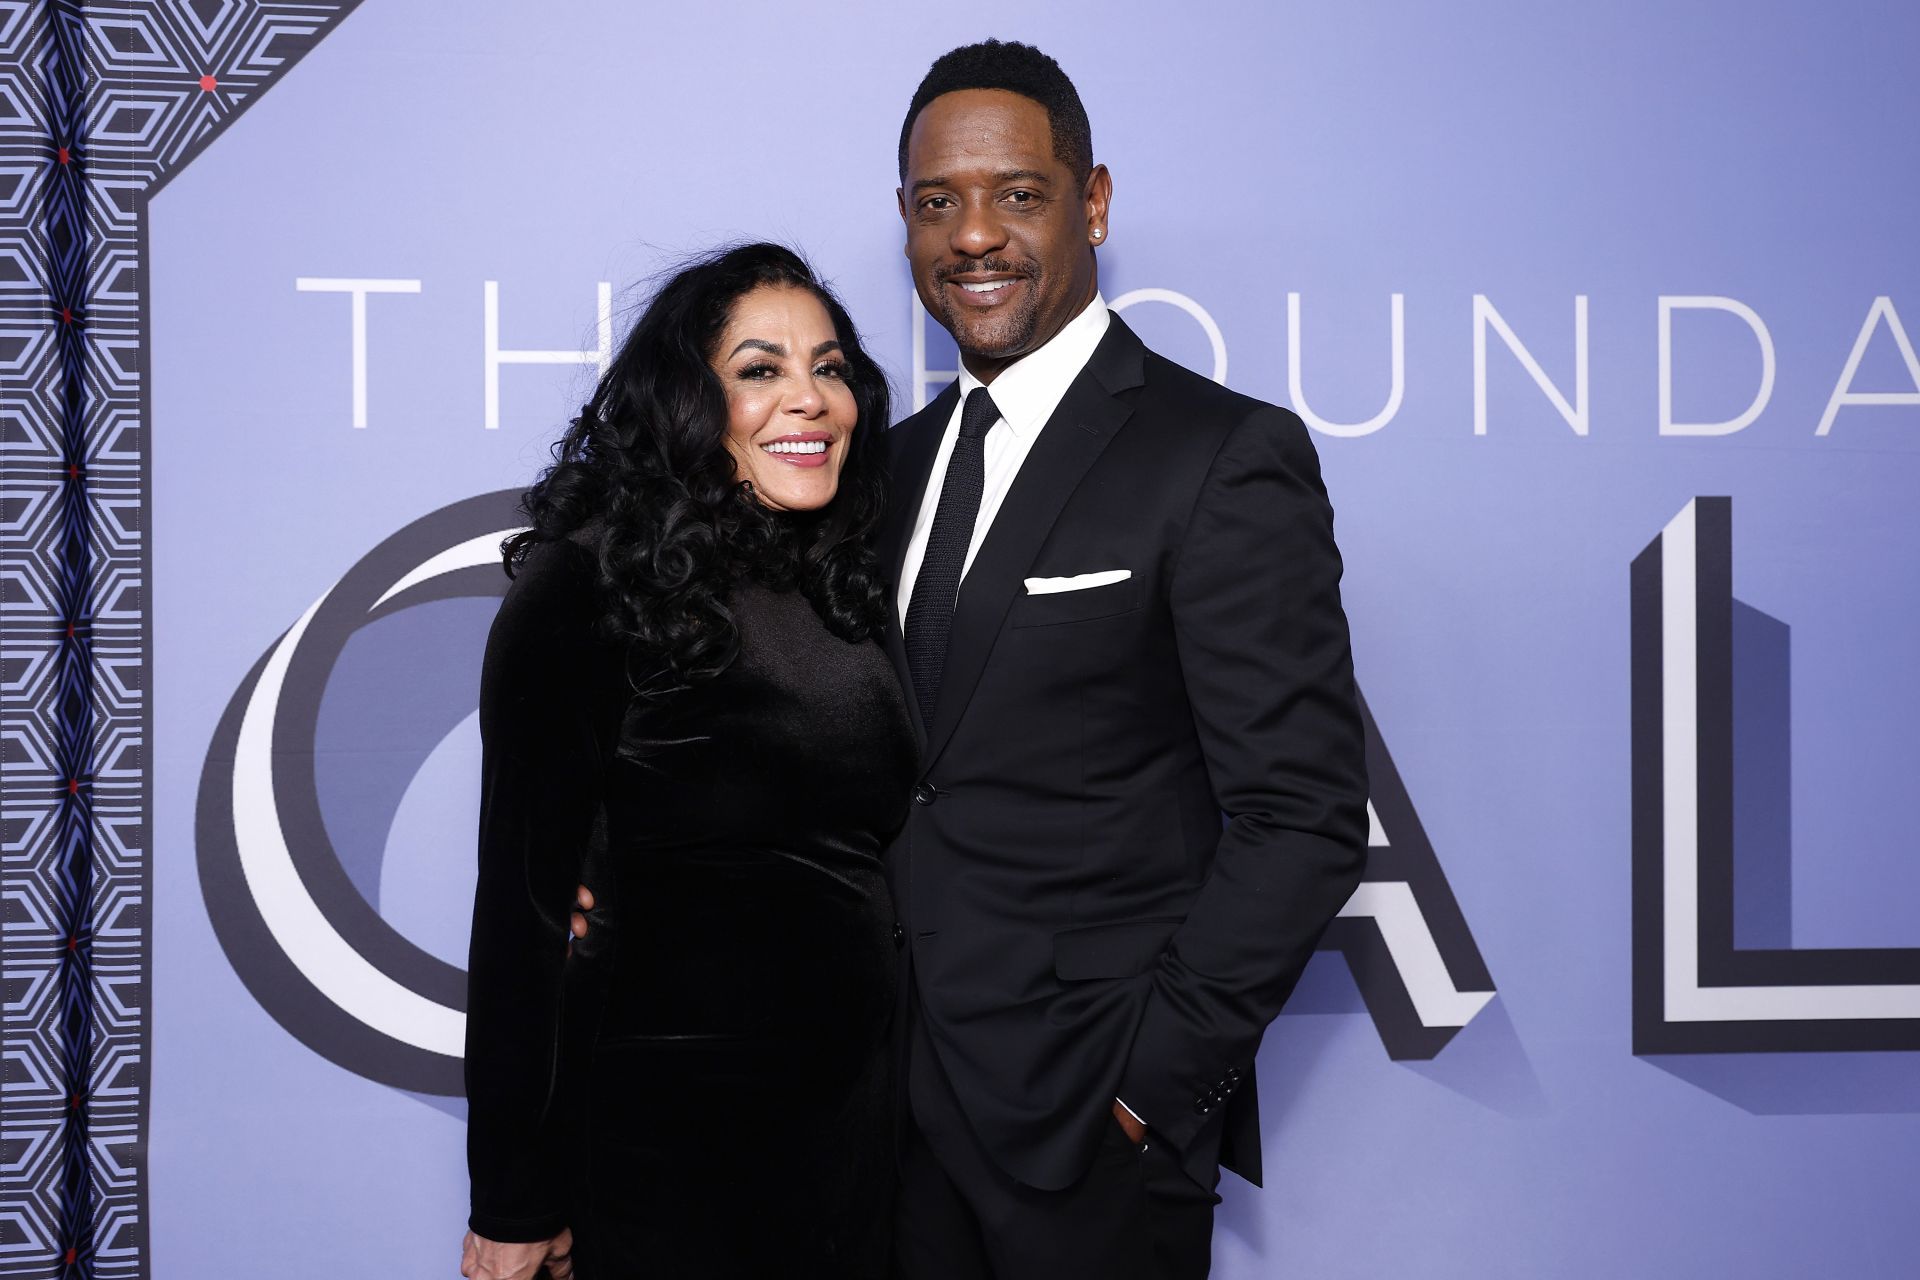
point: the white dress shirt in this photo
(1026, 393)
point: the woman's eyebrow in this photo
(758, 344)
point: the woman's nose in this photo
(806, 400)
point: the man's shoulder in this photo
(933, 415)
(1202, 410)
(921, 427)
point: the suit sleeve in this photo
(1264, 654)
(540, 794)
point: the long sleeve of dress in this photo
(541, 790)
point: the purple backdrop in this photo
(1299, 175)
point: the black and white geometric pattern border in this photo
(100, 103)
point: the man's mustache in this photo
(985, 267)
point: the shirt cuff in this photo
(1130, 1111)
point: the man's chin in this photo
(990, 341)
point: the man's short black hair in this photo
(1019, 68)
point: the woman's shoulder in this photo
(554, 568)
(554, 595)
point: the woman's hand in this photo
(484, 1259)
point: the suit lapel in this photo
(1086, 421)
(911, 447)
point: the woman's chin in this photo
(796, 497)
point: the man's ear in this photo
(1098, 195)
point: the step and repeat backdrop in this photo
(1604, 316)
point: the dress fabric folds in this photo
(703, 1087)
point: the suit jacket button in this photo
(923, 794)
(899, 936)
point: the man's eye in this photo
(1022, 197)
(935, 203)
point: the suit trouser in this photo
(1135, 1215)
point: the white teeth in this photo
(987, 287)
(796, 446)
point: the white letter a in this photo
(1882, 309)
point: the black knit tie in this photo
(930, 608)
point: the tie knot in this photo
(979, 414)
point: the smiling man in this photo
(1119, 618)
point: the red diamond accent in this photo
(63, 155)
(208, 84)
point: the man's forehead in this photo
(974, 129)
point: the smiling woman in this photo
(665, 472)
(682, 702)
(790, 410)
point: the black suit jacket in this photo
(1081, 924)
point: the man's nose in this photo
(978, 232)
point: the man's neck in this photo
(987, 368)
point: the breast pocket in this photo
(1057, 607)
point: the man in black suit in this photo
(1119, 618)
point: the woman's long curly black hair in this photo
(644, 480)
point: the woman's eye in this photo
(832, 369)
(758, 371)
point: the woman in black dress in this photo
(682, 694)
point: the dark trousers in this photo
(1135, 1215)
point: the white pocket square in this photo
(1078, 582)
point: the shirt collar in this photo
(1030, 389)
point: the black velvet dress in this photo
(702, 1088)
